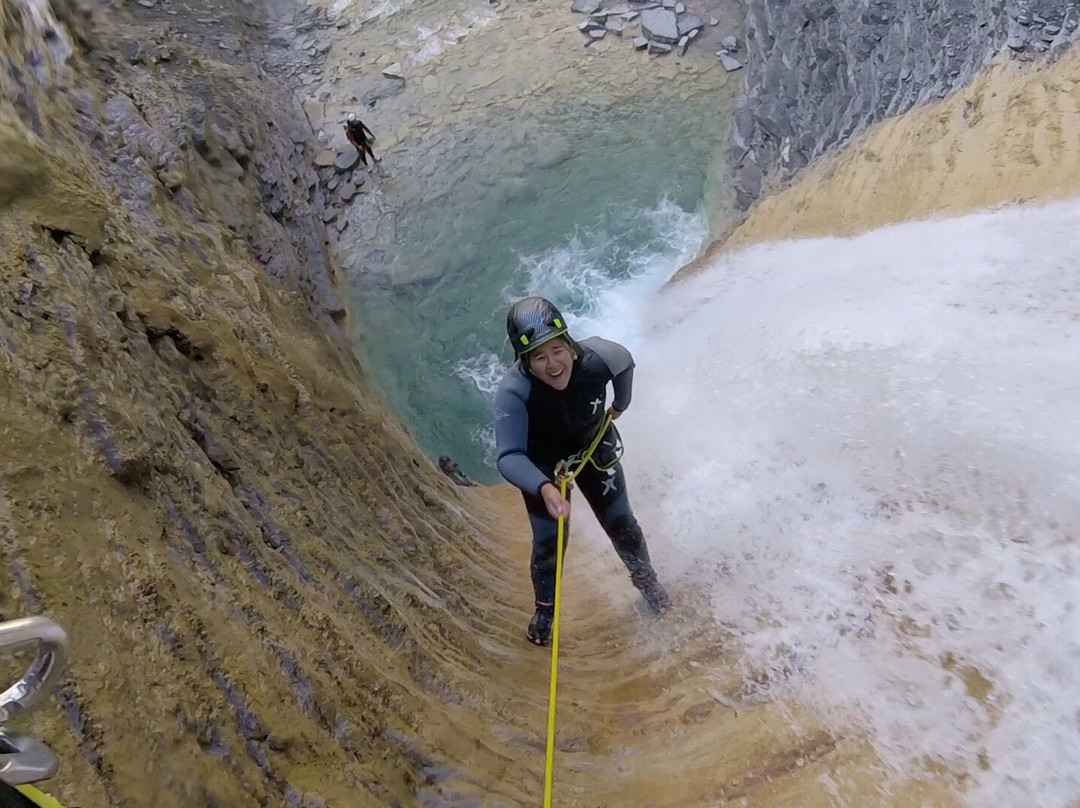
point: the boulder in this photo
(660, 25)
(687, 23)
(730, 63)
(347, 160)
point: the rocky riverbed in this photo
(456, 116)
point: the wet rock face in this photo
(823, 70)
(171, 372)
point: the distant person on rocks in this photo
(360, 137)
(453, 471)
(550, 407)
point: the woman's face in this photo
(552, 363)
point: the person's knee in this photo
(623, 529)
(543, 552)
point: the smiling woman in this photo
(549, 407)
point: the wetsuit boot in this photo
(629, 541)
(539, 631)
(656, 597)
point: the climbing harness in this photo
(577, 463)
(23, 758)
(615, 444)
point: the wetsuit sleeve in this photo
(623, 384)
(512, 437)
(620, 364)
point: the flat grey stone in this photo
(598, 33)
(324, 158)
(393, 71)
(347, 160)
(730, 43)
(679, 8)
(316, 112)
(687, 23)
(659, 47)
(730, 63)
(615, 26)
(585, 6)
(660, 25)
(713, 21)
(630, 16)
(684, 43)
(640, 43)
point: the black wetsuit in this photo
(536, 426)
(360, 136)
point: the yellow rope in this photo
(38, 797)
(564, 482)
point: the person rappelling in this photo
(549, 407)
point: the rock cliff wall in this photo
(821, 71)
(196, 479)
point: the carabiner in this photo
(44, 671)
(24, 759)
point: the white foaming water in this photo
(578, 277)
(596, 300)
(868, 451)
